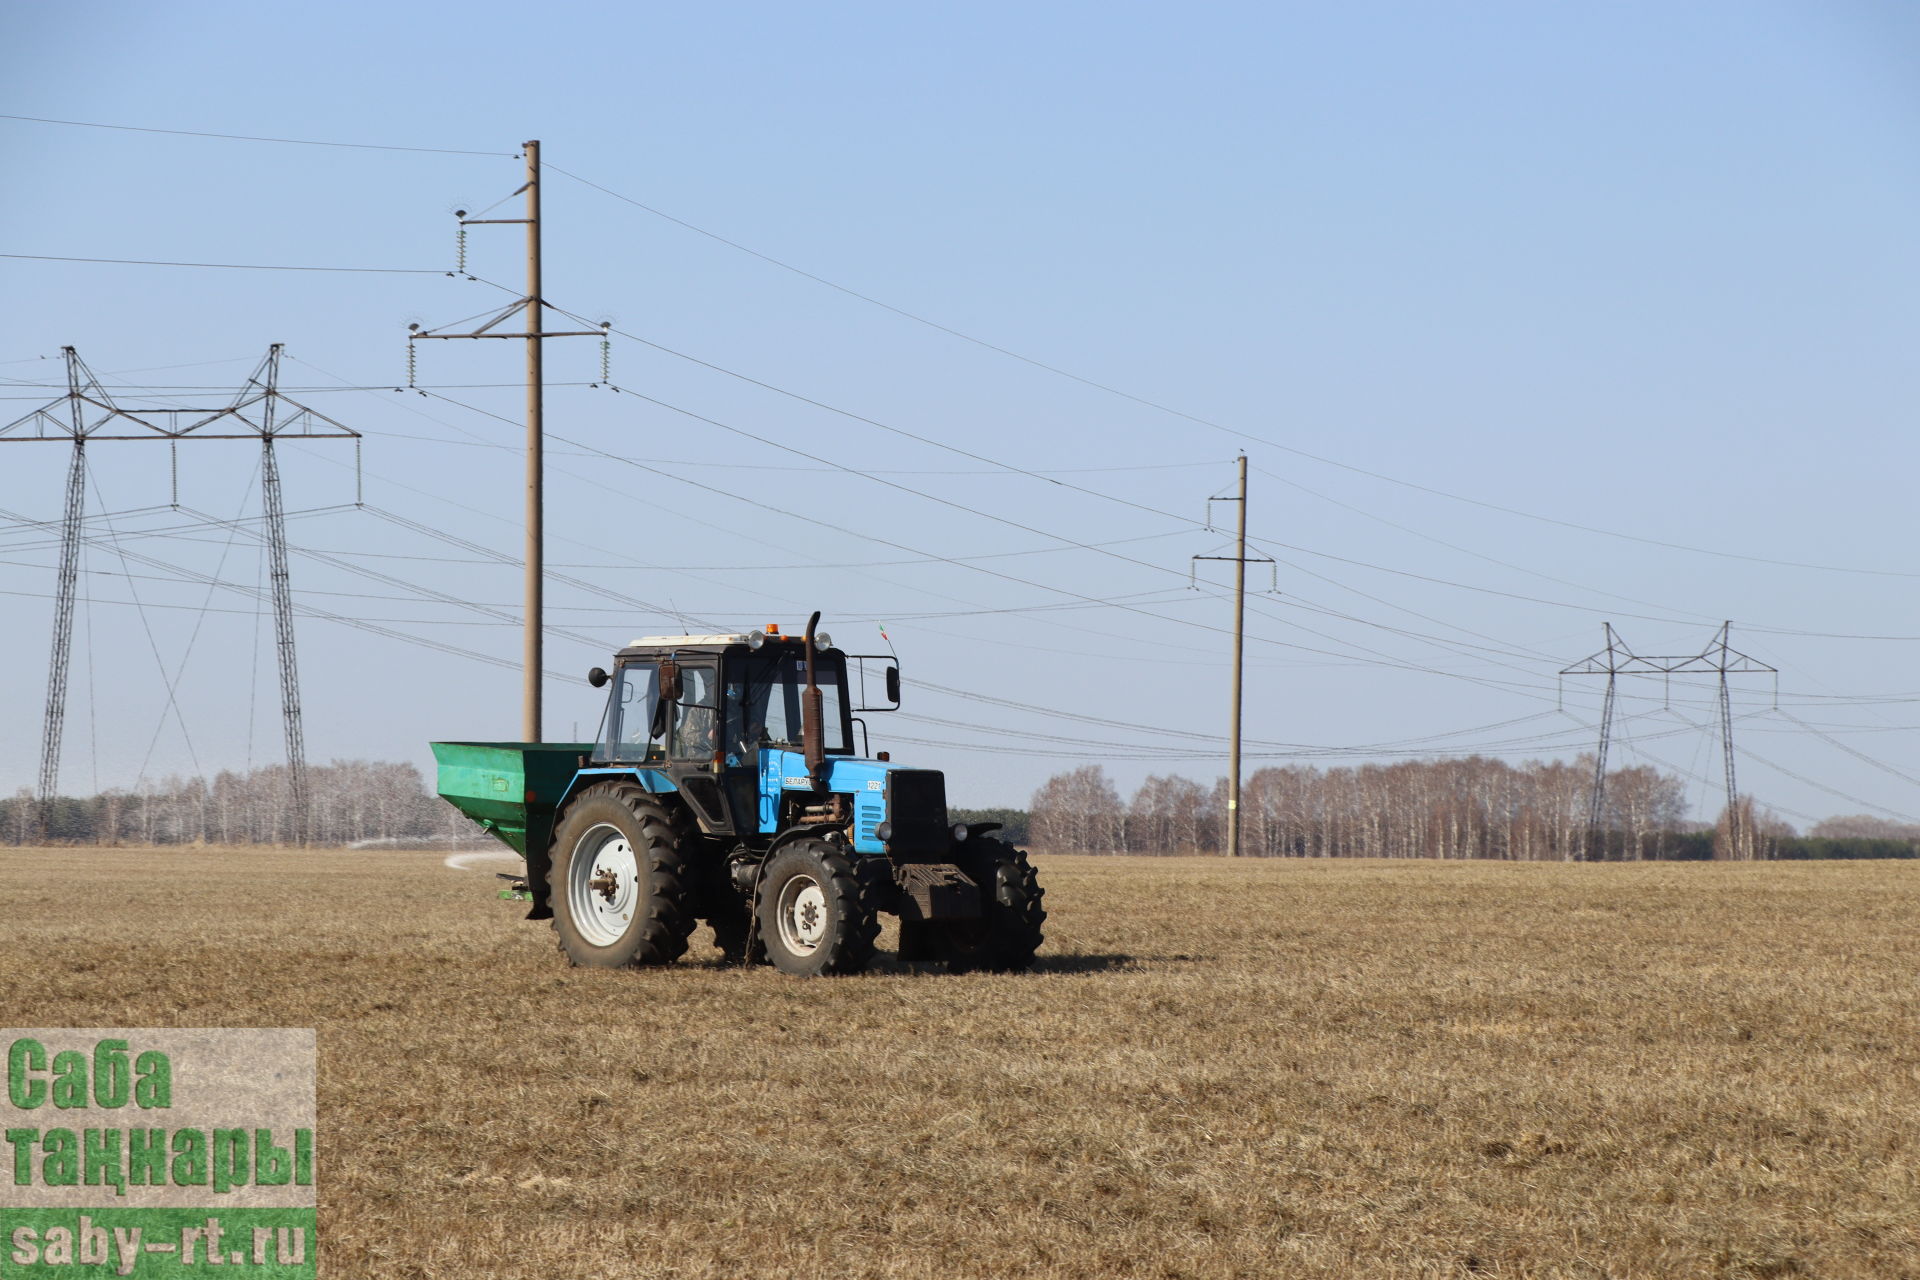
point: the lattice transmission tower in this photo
(1616, 660)
(89, 414)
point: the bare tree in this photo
(1860, 826)
(1473, 807)
(1078, 812)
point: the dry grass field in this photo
(1314, 1069)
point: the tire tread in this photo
(1015, 914)
(851, 948)
(669, 901)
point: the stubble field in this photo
(1313, 1069)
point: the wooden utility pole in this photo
(533, 309)
(1239, 653)
(536, 462)
(1240, 562)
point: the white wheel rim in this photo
(603, 885)
(802, 915)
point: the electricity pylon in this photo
(89, 414)
(1616, 660)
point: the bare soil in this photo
(1248, 1069)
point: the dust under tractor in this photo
(724, 787)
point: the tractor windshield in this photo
(636, 692)
(763, 700)
(634, 714)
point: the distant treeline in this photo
(1461, 808)
(1697, 846)
(1466, 808)
(351, 800)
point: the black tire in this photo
(632, 904)
(1007, 934)
(716, 901)
(729, 920)
(921, 941)
(815, 916)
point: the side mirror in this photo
(598, 677)
(669, 680)
(893, 684)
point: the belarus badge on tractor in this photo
(725, 787)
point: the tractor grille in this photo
(917, 811)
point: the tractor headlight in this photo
(883, 832)
(822, 640)
(757, 639)
(960, 831)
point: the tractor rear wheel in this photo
(620, 885)
(815, 917)
(1007, 933)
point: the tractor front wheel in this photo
(1005, 937)
(620, 885)
(814, 917)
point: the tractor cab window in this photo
(636, 695)
(686, 730)
(697, 716)
(763, 701)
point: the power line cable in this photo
(225, 266)
(858, 472)
(1707, 784)
(1832, 791)
(423, 592)
(186, 654)
(1099, 751)
(216, 582)
(826, 524)
(1051, 478)
(308, 610)
(919, 493)
(1070, 542)
(489, 553)
(1046, 477)
(964, 507)
(194, 608)
(153, 644)
(1862, 756)
(1467, 551)
(1208, 422)
(1388, 659)
(244, 137)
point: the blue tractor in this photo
(724, 787)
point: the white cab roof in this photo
(671, 642)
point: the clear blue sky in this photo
(1645, 268)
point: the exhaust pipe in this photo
(812, 712)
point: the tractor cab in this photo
(721, 720)
(708, 699)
